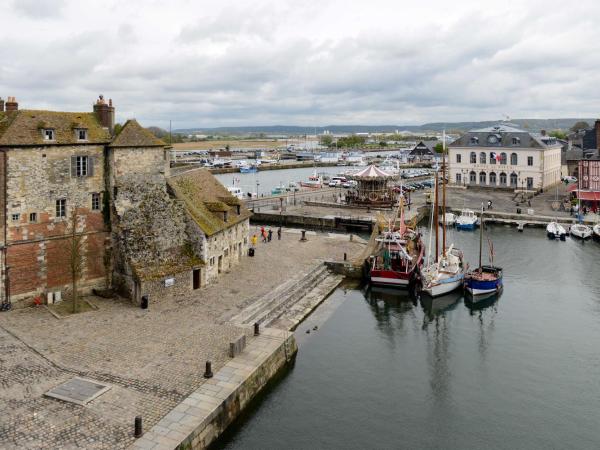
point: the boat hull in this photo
(493, 283)
(445, 286)
(248, 170)
(465, 226)
(581, 234)
(389, 278)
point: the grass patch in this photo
(65, 308)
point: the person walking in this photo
(279, 233)
(489, 204)
(270, 234)
(263, 233)
(253, 240)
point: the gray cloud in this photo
(312, 64)
(38, 9)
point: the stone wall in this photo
(175, 285)
(37, 250)
(228, 247)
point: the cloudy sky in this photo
(302, 62)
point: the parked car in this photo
(569, 179)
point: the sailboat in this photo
(596, 230)
(447, 273)
(485, 279)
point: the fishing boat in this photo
(314, 181)
(279, 190)
(596, 231)
(555, 230)
(446, 273)
(467, 220)
(581, 231)
(486, 279)
(236, 192)
(248, 168)
(448, 219)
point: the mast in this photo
(444, 193)
(436, 218)
(480, 237)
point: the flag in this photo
(495, 156)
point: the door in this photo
(529, 183)
(220, 265)
(196, 279)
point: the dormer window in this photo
(516, 141)
(474, 140)
(48, 134)
(81, 134)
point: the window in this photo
(48, 134)
(472, 177)
(15, 217)
(482, 177)
(482, 158)
(473, 158)
(61, 207)
(513, 180)
(81, 134)
(529, 183)
(458, 158)
(81, 166)
(474, 140)
(212, 261)
(502, 179)
(516, 141)
(33, 217)
(514, 160)
(502, 158)
(493, 178)
(530, 160)
(458, 180)
(95, 201)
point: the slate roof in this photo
(134, 135)
(424, 148)
(504, 134)
(206, 199)
(24, 128)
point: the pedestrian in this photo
(254, 239)
(489, 204)
(263, 233)
(270, 234)
(279, 233)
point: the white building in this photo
(504, 156)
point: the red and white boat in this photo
(314, 181)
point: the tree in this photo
(75, 257)
(117, 128)
(382, 144)
(558, 134)
(439, 147)
(581, 125)
(326, 140)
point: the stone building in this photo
(138, 236)
(505, 157)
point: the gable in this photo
(134, 135)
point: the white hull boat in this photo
(554, 230)
(450, 219)
(596, 230)
(581, 231)
(446, 275)
(467, 220)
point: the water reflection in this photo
(391, 308)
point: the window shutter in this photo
(73, 166)
(90, 166)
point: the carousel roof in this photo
(371, 172)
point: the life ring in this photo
(373, 196)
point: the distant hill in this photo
(529, 124)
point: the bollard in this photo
(303, 238)
(208, 371)
(144, 303)
(256, 329)
(138, 427)
(345, 257)
(351, 237)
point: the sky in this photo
(208, 63)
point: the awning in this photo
(588, 195)
(572, 187)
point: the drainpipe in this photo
(5, 247)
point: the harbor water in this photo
(385, 371)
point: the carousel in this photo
(374, 189)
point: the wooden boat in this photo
(554, 230)
(581, 231)
(467, 220)
(447, 272)
(485, 279)
(314, 181)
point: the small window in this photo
(81, 166)
(473, 158)
(15, 217)
(212, 261)
(95, 201)
(48, 134)
(82, 134)
(482, 158)
(474, 140)
(530, 160)
(33, 217)
(516, 141)
(61, 207)
(514, 159)
(458, 158)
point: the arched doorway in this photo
(482, 178)
(493, 178)
(502, 179)
(514, 180)
(472, 177)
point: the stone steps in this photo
(273, 304)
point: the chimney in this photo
(1, 104)
(543, 132)
(105, 113)
(11, 104)
(597, 128)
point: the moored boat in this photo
(248, 168)
(467, 220)
(236, 192)
(314, 181)
(596, 231)
(554, 230)
(581, 231)
(449, 219)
